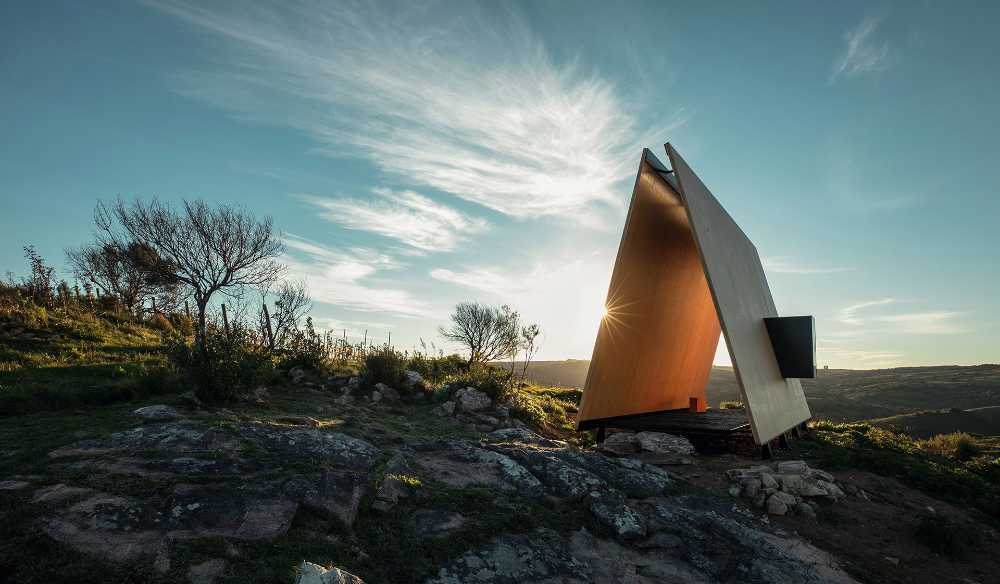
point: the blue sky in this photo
(417, 157)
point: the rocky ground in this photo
(331, 483)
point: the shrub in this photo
(160, 323)
(306, 348)
(491, 380)
(383, 366)
(437, 369)
(731, 405)
(957, 445)
(183, 324)
(228, 365)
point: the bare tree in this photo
(222, 249)
(118, 272)
(290, 306)
(487, 332)
(529, 336)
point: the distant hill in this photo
(850, 395)
(925, 424)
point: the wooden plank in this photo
(655, 347)
(743, 299)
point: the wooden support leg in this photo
(797, 431)
(765, 451)
(783, 441)
(600, 434)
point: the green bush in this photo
(731, 405)
(957, 445)
(383, 366)
(437, 369)
(307, 349)
(493, 381)
(230, 364)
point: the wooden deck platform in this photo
(682, 422)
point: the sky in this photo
(414, 157)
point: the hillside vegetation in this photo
(352, 462)
(854, 395)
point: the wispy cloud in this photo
(343, 278)
(405, 216)
(849, 314)
(926, 323)
(863, 52)
(934, 322)
(471, 105)
(781, 265)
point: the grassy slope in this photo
(77, 358)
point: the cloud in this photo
(472, 104)
(936, 322)
(926, 323)
(849, 314)
(779, 265)
(486, 279)
(863, 53)
(342, 278)
(406, 216)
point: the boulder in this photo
(792, 467)
(620, 443)
(296, 374)
(387, 393)
(661, 443)
(157, 413)
(448, 408)
(310, 573)
(470, 399)
(412, 380)
(776, 506)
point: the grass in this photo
(970, 482)
(79, 358)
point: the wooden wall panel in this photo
(654, 349)
(736, 279)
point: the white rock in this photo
(751, 486)
(775, 506)
(661, 443)
(310, 573)
(792, 467)
(768, 482)
(412, 379)
(158, 413)
(376, 396)
(448, 408)
(470, 399)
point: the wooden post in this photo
(270, 332)
(225, 320)
(389, 342)
(187, 309)
(154, 304)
